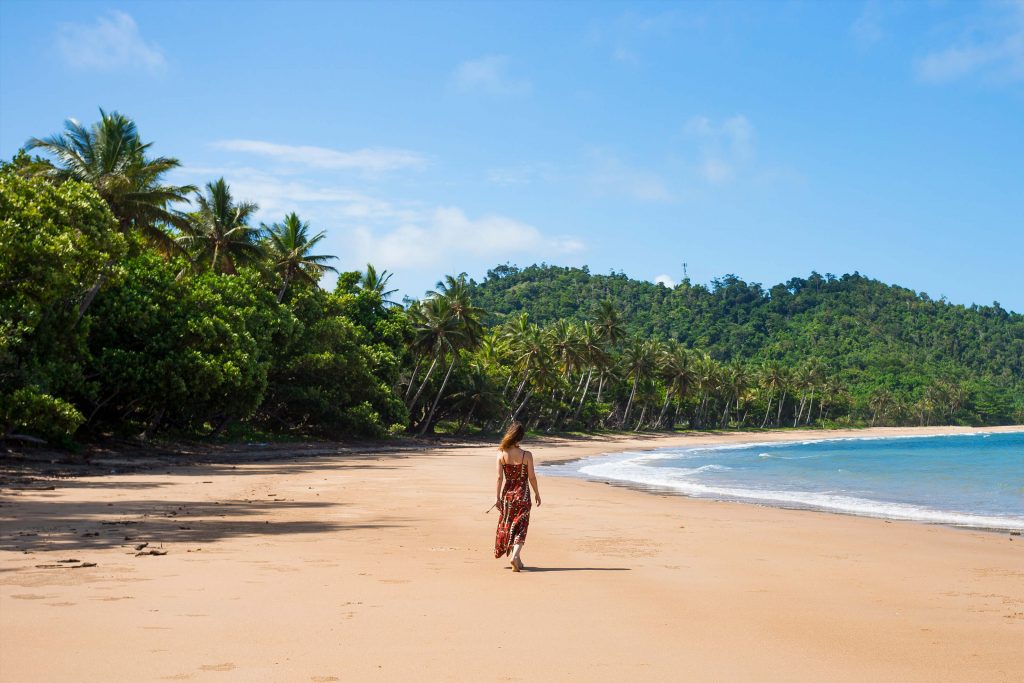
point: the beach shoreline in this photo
(376, 564)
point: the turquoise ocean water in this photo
(972, 480)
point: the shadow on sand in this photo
(533, 570)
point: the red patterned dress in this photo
(515, 508)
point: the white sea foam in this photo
(632, 469)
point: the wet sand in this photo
(378, 565)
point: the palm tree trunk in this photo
(416, 398)
(600, 386)
(629, 403)
(767, 411)
(91, 294)
(284, 286)
(522, 383)
(412, 379)
(583, 398)
(810, 406)
(433, 408)
(640, 422)
(522, 405)
(668, 398)
(466, 420)
(778, 416)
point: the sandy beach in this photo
(328, 564)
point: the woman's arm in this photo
(533, 477)
(501, 475)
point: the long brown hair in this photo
(513, 435)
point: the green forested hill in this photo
(870, 334)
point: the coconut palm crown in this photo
(288, 245)
(110, 156)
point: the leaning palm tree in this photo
(219, 232)
(679, 374)
(110, 156)
(640, 360)
(288, 245)
(772, 378)
(372, 281)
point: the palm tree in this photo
(772, 379)
(219, 231)
(677, 366)
(531, 355)
(372, 281)
(454, 297)
(434, 328)
(455, 290)
(288, 245)
(110, 156)
(593, 354)
(640, 360)
(609, 322)
(479, 396)
(881, 401)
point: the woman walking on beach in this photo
(515, 476)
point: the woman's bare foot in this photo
(519, 563)
(515, 564)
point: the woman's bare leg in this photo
(517, 563)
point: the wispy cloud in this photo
(724, 147)
(612, 177)
(369, 160)
(991, 47)
(112, 42)
(489, 75)
(447, 236)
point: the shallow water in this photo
(972, 480)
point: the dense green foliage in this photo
(56, 242)
(131, 306)
(867, 336)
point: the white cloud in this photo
(447, 236)
(112, 42)
(665, 280)
(610, 176)
(369, 160)
(391, 234)
(724, 147)
(489, 75)
(994, 50)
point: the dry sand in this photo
(379, 566)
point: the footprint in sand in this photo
(226, 666)
(324, 679)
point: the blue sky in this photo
(762, 139)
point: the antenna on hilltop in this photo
(685, 275)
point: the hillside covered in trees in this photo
(873, 337)
(130, 306)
